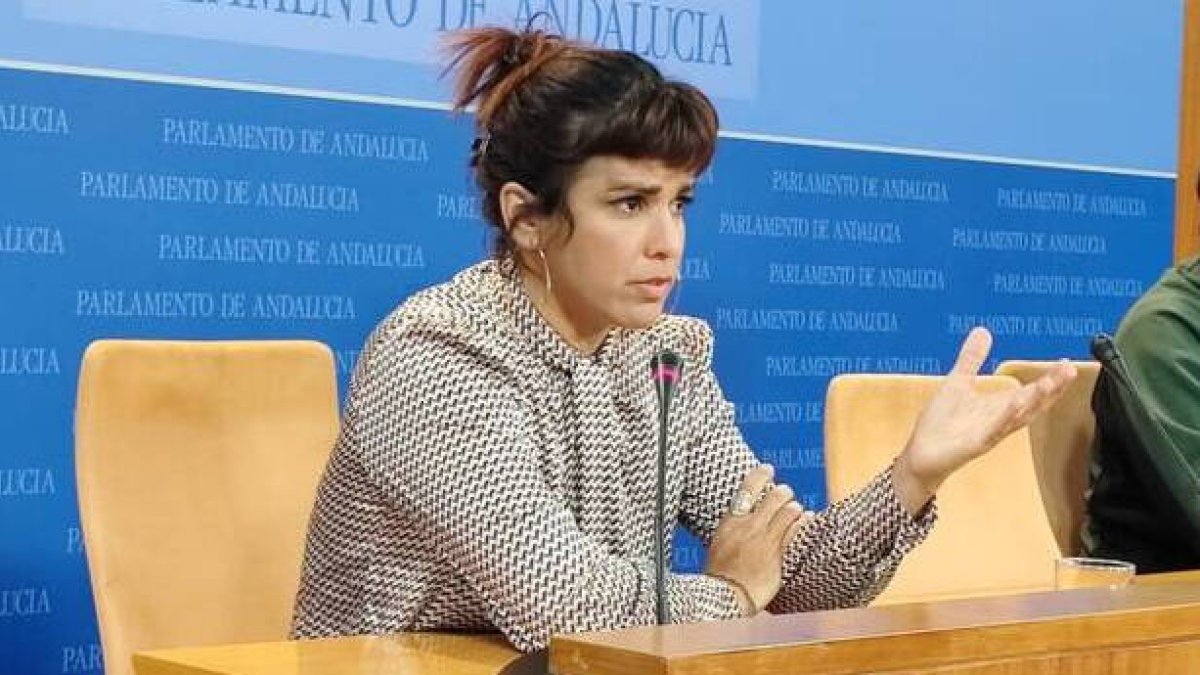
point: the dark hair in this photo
(545, 105)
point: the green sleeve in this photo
(1160, 344)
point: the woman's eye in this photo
(629, 204)
(680, 205)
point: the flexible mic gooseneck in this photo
(666, 369)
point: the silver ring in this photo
(742, 503)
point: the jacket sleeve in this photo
(844, 557)
(441, 430)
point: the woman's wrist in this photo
(745, 601)
(913, 490)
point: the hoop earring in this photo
(546, 272)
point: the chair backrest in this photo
(992, 535)
(197, 465)
(1062, 447)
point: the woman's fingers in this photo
(793, 530)
(746, 499)
(781, 523)
(1057, 380)
(772, 512)
(1034, 398)
(973, 353)
(775, 499)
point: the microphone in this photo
(1105, 351)
(666, 369)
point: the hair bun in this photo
(493, 62)
(529, 46)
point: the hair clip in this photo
(479, 147)
(512, 55)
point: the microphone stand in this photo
(665, 368)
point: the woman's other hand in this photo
(748, 546)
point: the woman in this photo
(496, 465)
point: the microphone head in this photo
(666, 368)
(1103, 348)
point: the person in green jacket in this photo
(1143, 504)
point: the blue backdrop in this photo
(140, 206)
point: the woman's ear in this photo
(519, 209)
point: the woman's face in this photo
(619, 265)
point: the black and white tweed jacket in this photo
(488, 476)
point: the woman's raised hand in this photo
(961, 423)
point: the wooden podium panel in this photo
(414, 653)
(1152, 626)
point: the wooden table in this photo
(1152, 627)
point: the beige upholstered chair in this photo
(1062, 446)
(197, 464)
(992, 535)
